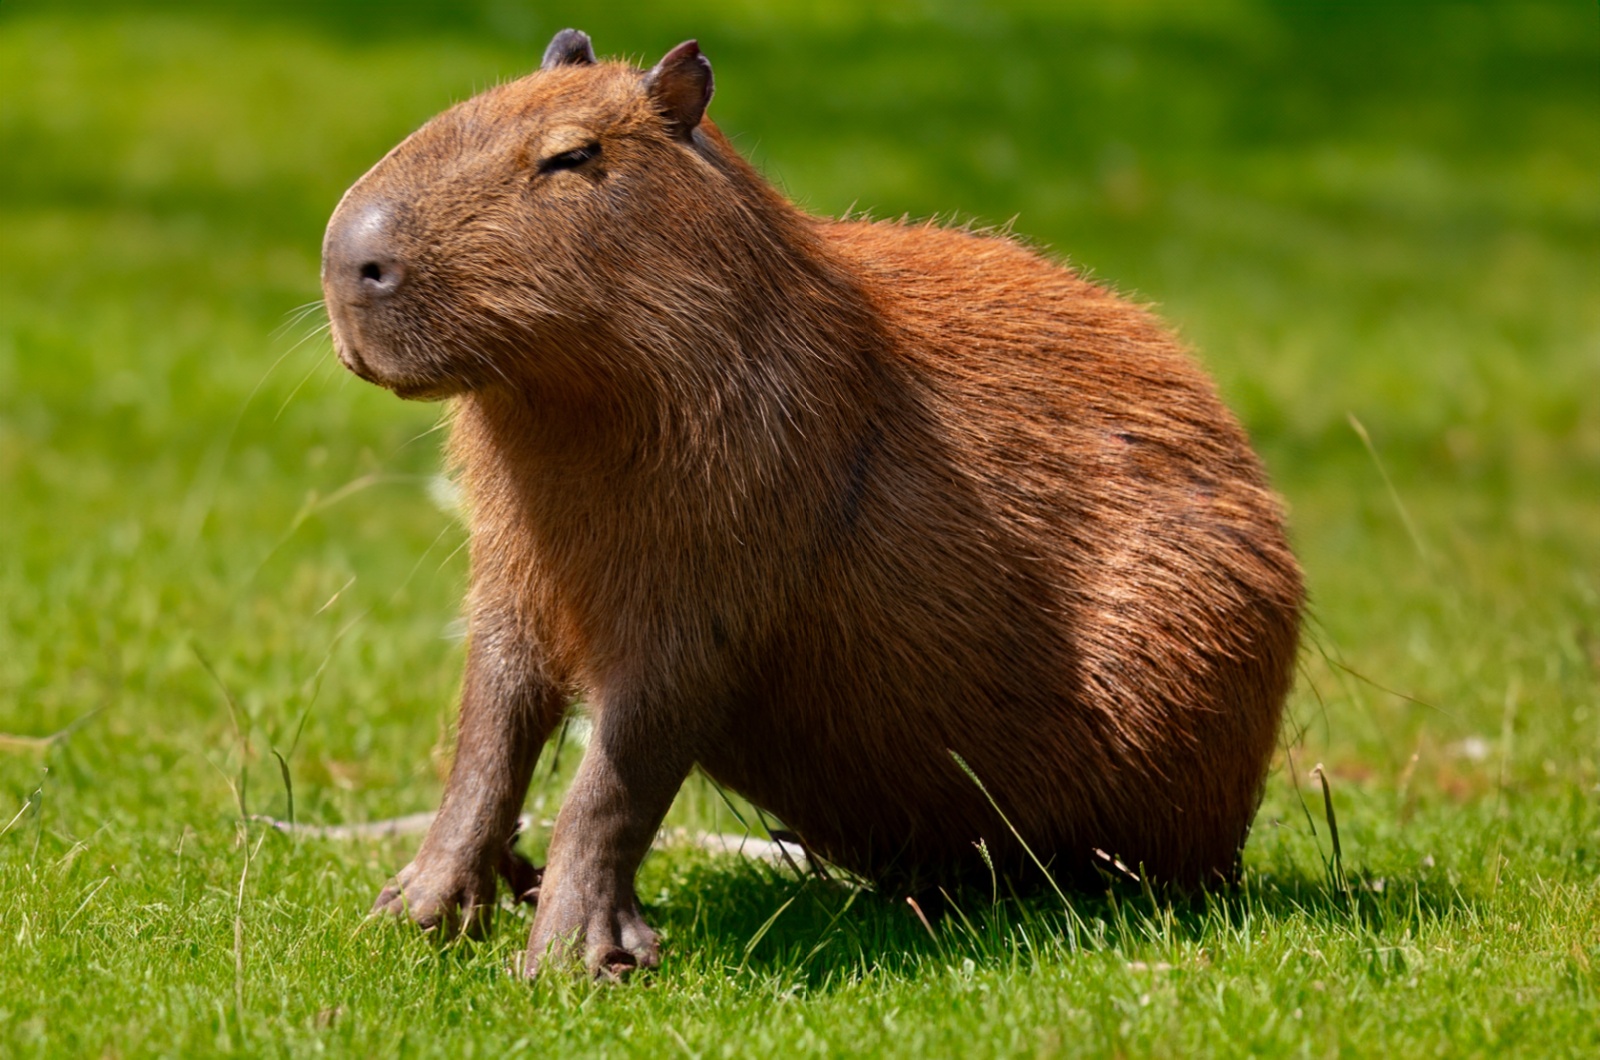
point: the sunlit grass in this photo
(197, 505)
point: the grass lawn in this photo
(226, 574)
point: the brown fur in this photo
(810, 504)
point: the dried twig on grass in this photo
(771, 851)
(13, 742)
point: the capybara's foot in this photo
(441, 895)
(609, 936)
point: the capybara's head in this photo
(492, 244)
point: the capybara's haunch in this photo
(813, 505)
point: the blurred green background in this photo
(1368, 219)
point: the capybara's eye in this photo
(570, 159)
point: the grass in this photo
(1379, 227)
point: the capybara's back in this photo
(820, 506)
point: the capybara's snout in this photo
(360, 262)
(361, 269)
(369, 285)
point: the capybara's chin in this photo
(426, 391)
(369, 361)
(947, 557)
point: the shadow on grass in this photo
(753, 918)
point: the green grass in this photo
(1380, 212)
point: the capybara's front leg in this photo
(508, 710)
(587, 906)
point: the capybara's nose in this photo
(359, 262)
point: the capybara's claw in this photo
(613, 942)
(615, 965)
(448, 902)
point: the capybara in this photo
(813, 505)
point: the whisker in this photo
(321, 329)
(294, 316)
(297, 387)
(273, 367)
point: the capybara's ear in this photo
(570, 47)
(680, 85)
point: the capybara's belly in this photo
(870, 780)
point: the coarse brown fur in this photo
(809, 504)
